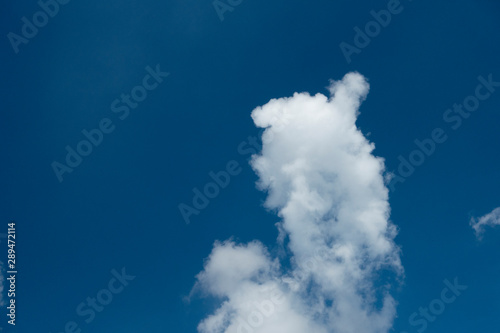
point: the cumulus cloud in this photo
(328, 189)
(491, 219)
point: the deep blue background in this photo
(119, 207)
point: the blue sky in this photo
(119, 207)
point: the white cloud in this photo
(491, 219)
(328, 189)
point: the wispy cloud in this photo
(329, 191)
(479, 224)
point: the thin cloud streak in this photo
(489, 220)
